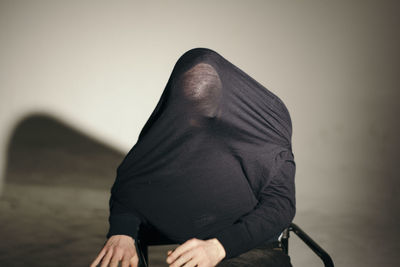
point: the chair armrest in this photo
(310, 243)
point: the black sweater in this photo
(214, 160)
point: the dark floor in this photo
(54, 207)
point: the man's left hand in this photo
(197, 252)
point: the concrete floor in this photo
(54, 207)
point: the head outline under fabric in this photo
(266, 99)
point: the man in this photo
(212, 169)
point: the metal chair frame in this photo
(152, 238)
(324, 256)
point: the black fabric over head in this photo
(214, 160)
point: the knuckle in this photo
(114, 260)
(193, 240)
(175, 264)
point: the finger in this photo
(181, 249)
(170, 251)
(115, 260)
(183, 259)
(107, 258)
(99, 257)
(192, 263)
(125, 262)
(134, 261)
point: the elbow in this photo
(290, 213)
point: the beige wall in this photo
(100, 66)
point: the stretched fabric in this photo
(214, 160)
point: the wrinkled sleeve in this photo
(274, 212)
(121, 220)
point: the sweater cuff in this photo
(237, 240)
(232, 240)
(123, 224)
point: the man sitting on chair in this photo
(212, 169)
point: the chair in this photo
(149, 237)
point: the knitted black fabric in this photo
(214, 160)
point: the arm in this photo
(120, 245)
(274, 211)
(121, 220)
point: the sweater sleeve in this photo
(273, 213)
(121, 220)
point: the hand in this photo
(117, 248)
(197, 252)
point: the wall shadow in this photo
(54, 207)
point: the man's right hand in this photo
(118, 248)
